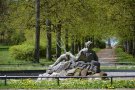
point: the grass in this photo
(67, 84)
(4, 46)
(21, 67)
(119, 67)
(123, 56)
(8, 63)
(127, 62)
(96, 49)
(5, 58)
(4, 55)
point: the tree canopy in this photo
(100, 19)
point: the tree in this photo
(37, 37)
(58, 39)
(49, 40)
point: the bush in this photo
(12, 36)
(22, 52)
(100, 44)
(26, 51)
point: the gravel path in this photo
(108, 56)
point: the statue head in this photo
(88, 44)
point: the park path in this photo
(107, 56)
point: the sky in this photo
(113, 41)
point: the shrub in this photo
(22, 52)
(100, 44)
(12, 36)
(26, 51)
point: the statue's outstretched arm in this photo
(61, 58)
(73, 59)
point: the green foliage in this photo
(12, 36)
(100, 18)
(17, 38)
(96, 49)
(123, 56)
(5, 57)
(23, 52)
(69, 84)
(100, 44)
(26, 51)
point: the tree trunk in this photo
(49, 40)
(79, 46)
(76, 46)
(66, 40)
(86, 39)
(93, 42)
(130, 46)
(125, 45)
(83, 42)
(133, 51)
(37, 37)
(72, 45)
(58, 40)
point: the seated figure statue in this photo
(89, 56)
(88, 53)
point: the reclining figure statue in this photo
(65, 57)
(67, 64)
(86, 58)
(65, 61)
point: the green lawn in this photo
(4, 55)
(121, 67)
(123, 56)
(6, 59)
(67, 84)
